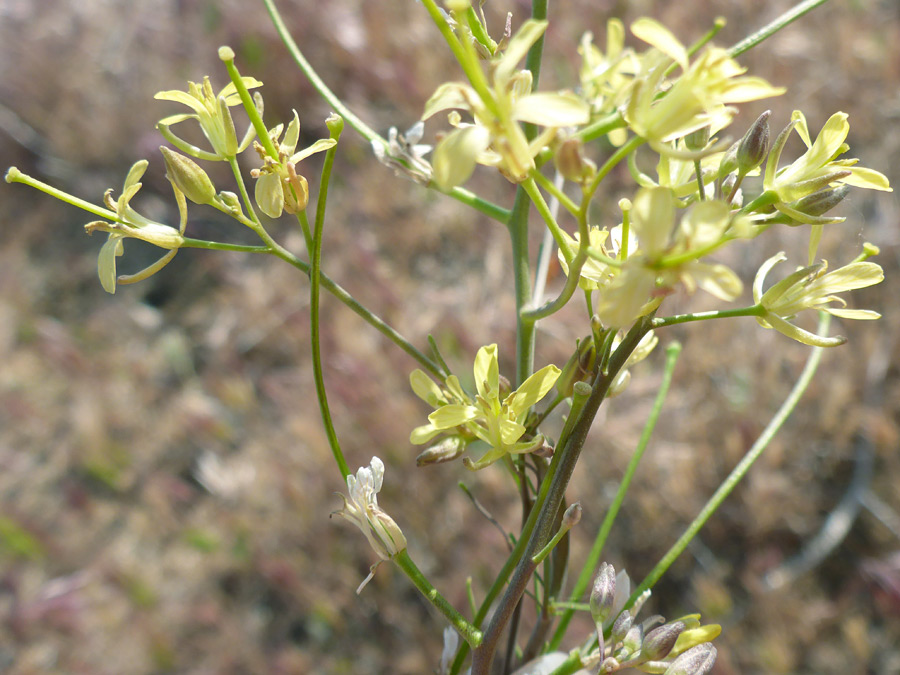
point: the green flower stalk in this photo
(487, 417)
(812, 287)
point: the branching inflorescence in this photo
(695, 193)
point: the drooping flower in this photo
(361, 509)
(496, 137)
(129, 223)
(490, 416)
(812, 287)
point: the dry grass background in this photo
(115, 558)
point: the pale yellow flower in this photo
(698, 97)
(212, 114)
(130, 224)
(496, 137)
(812, 287)
(490, 416)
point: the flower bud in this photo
(697, 140)
(729, 162)
(571, 162)
(188, 177)
(694, 636)
(754, 146)
(633, 639)
(603, 594)
(821, 202)
(620, 627)
(571, 516)
(231, 201)
(230, 147)
(445, 450)
(579, 367)
(659, 641)
(696, 661)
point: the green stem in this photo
(336, 290)
(768, 31)
(738, 473)
(315, 279)
(261, 132)
(467, 631)
(222, 246)
(518, 233)
(242, 188)
(601, 127)
(629, 146)
(361, 127)
(13, 175)
(575, 265)
(561, 196)
(753, 310)
(590, 565)
(550, 497)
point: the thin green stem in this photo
(467, 58)
(501, 579)
(518, 233)
(315, 279)
(223, 246)
(601, 127)
(242, 188)
(753, 310)
(590, 565)
(550, 497)
(467, 631)
(575, 264)
(361, 127)
(627, 148)
(261, 132)
(13, 175)
(738, 473)
(769, 30)
(561, 196)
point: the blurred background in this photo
(165, 485)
